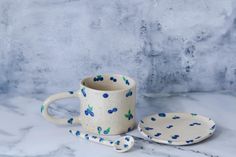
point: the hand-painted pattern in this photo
(169, 126)
(70, 121)
(175, 136)
(176, 117)
(126, 80)
(105, 95)
(113, 79)
(71, 92)
(193, 124)
(129, 93)
(83, 92)
(42, 108)
(112, 110)
(107, 131)
(155, 128)
(129, 115)
(162, 114)
(89, 111)
(98, 78)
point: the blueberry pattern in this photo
(105, 95)
(42, 108)
(176, 117)
(213, 127)
(157, 134)
(148, 128)
(99, 130)
(107, 131)
(193, 124)
(169, 126)
(98, 78)
(70, 121)
(77, 133)
(175, 136)
(129, 115)
(89, 111)
(83, 92)
(112, 110)
(127, 139)
(153, 119)
(162, 114)
(129, 93)
(189, 141)
(125, 80)
(71, 92)
(113, 79)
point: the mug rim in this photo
(133, 85)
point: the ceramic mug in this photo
(107, 105)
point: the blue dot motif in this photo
(105, 95)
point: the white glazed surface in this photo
(177, 128)
(107, 104)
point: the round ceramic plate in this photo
(177, 128)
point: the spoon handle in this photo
(93, 138)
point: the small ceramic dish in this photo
(177, 128)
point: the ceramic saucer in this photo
(177, 128)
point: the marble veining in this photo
(26, 133)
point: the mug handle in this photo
(55, 97)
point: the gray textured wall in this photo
(47, 46)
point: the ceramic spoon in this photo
(122, 144)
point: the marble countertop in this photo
(24, 132)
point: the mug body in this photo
(107, 104)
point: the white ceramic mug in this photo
(107, 104)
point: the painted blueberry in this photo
(70, 121)
(192, 124)
(77, 133)
(148, 128)
(71, 92)
(169, 126)
(169, 141)
(110, 111)
(127, 138)
(101, 139)
(42, 108)
(94, 137)
(111, 78)
(129, 129)
(175, 136)
(198, 137)
(107, 131)
(189, 141)
(114, 80)
(157, 134)
(114, 109)
(153, 119)
(125, 145)
(162, 114)
(176, 117)
(83, 92)
(213, 127)
(117, 142)
(99, 129)
(105, 95)
(141, 121)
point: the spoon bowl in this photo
(123, 144)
